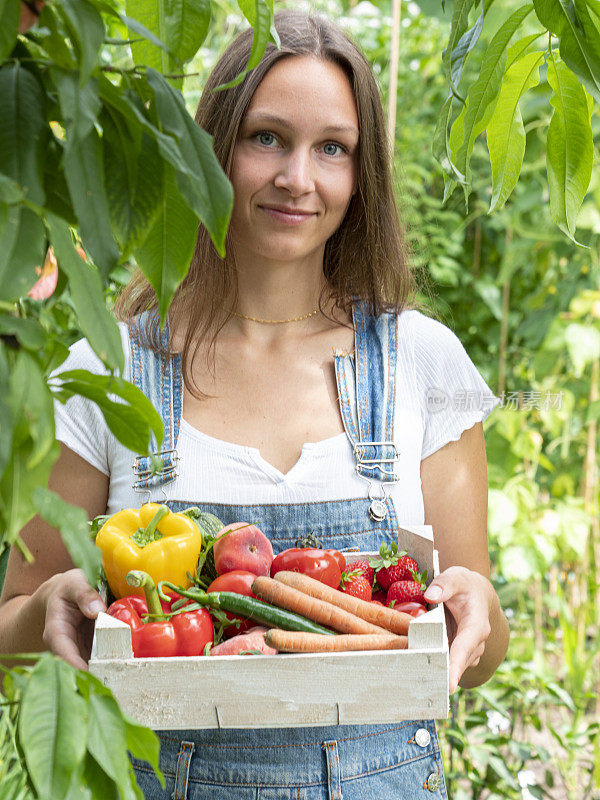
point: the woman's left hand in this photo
(468, 598)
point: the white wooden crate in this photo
(287, 689)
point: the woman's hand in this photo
(468, 597)
(71, 605)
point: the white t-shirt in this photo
(439, 394)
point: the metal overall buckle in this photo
(144, 474)
(378, 507)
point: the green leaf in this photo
(505, 134)
(483, 94)
(10, 191)
(141, 742)
(86, 31)
(52, 727)
(108, 741)
(79, 105)
(72, 522)
(9, 26)
(132, 108)
(134, 183)
(58, 199)
(203, 184)
(91, 782)
(22, 249)
(154, 15)
(144, 744)
(29, 332)
(6, 414)
(97, 324)
(263, 21)
(22, 121)
(569, 147)
(187, 26)
(18, 483)
(131, 421)
(52, 37)
(580, 47)
(458, 28)
(84, 171)
(181, 25)
(133, 24)
(518, 49)
(579, 38)
(164, 256)
(32, 407)
(442, 152)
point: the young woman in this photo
(282, 368)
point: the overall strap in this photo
(159, 378)
(366, 389)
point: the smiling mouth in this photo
(290, 216)
(292, 211)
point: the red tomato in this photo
(339, 557)
(412, 608)
(311, 561)
(240, 582)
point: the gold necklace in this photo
(275, 321)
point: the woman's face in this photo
(295, 162)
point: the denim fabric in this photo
(159, 378)
(367, 393)
(323, 763)
(359, 762)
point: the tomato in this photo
(412, 608)
(311, 561)
(339, 557)
(239, 581)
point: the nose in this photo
(296, 173)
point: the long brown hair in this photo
(366, 258)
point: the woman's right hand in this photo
(71, 606)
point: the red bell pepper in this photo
(166, 633)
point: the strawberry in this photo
(406, 591)
(379, 596)
(392, 565)
(364, 567)
(355, 583)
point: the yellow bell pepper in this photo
(152, 539)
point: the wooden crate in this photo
(287, 689)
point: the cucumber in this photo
(249, 607)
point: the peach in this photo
(244, 547)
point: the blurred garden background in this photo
(524, 298)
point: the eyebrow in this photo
(273, 119)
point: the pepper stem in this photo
(141, 579)
(150, 528)
(200, 597)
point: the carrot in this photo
(327, 614)
(301, 642)
(381, 616)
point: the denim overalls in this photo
(344, 762)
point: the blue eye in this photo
(332, 149)
(266, 138)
